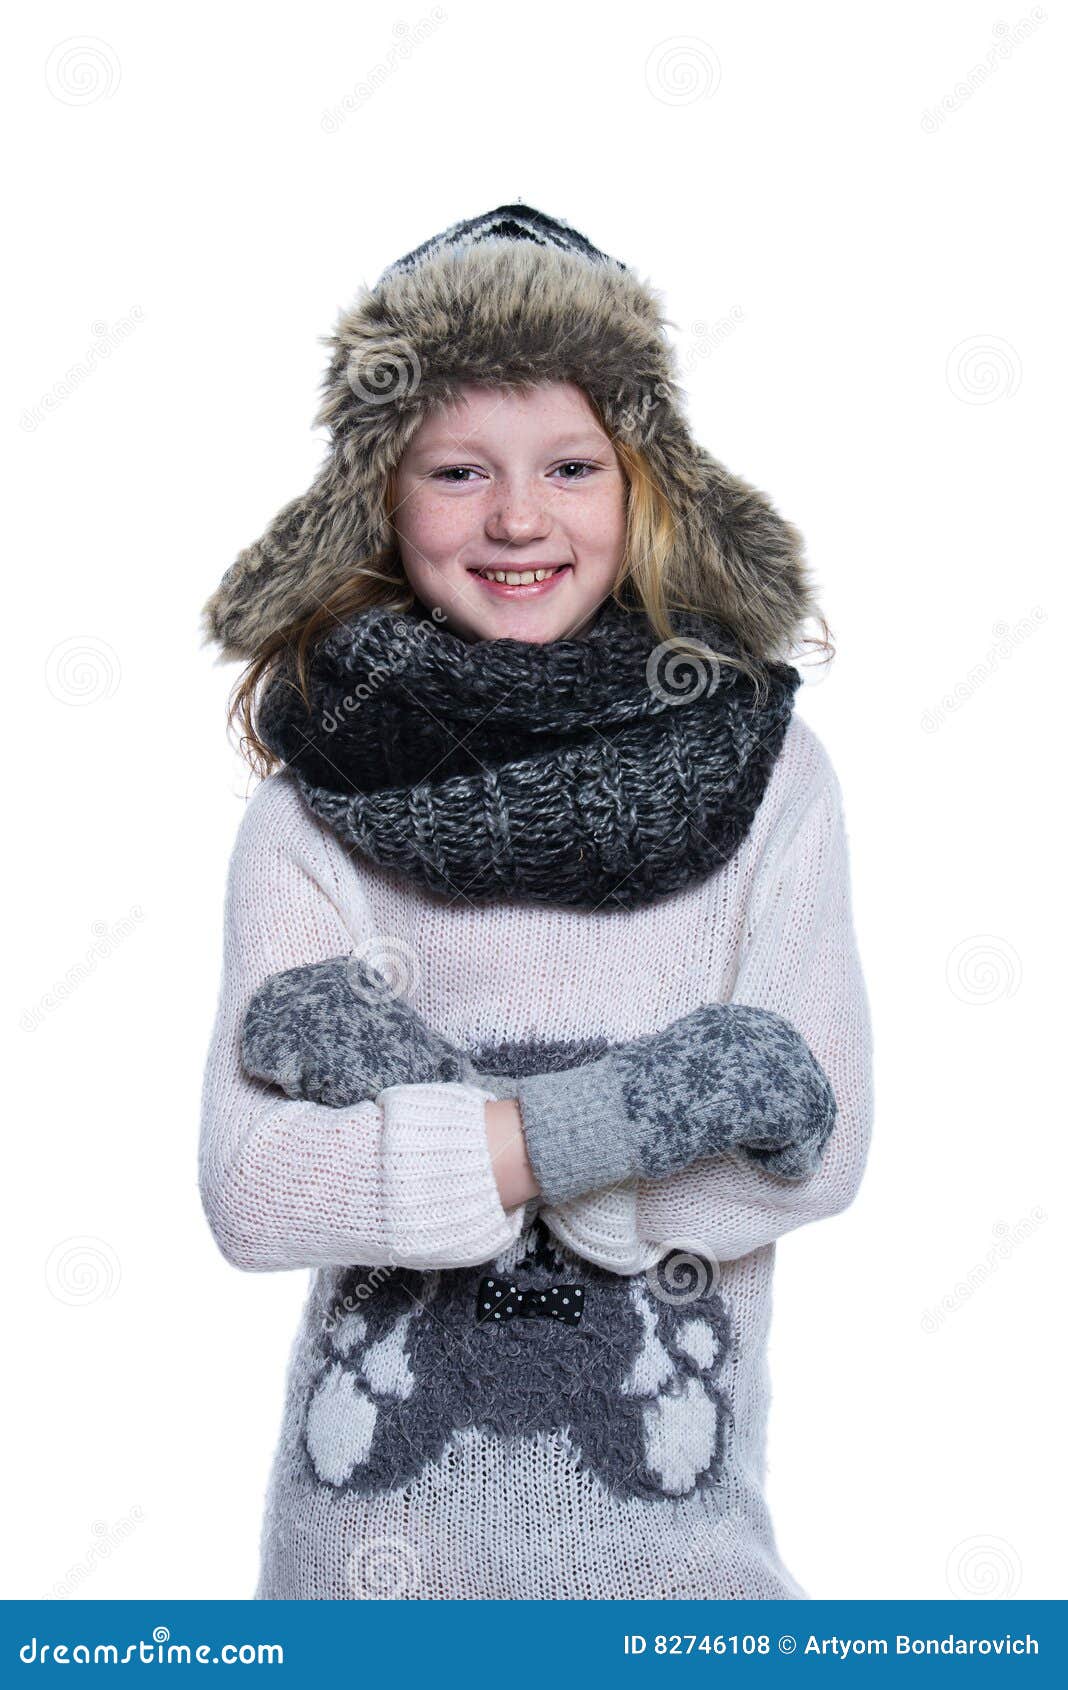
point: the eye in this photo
(451, 473)
(453, 469)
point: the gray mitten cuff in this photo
(578, 1133)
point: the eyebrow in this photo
(472, 443)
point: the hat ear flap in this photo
(735, 538)
(292, 569)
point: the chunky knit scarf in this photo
(601, 771)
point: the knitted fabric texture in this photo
(336, 1032)
(724, 1077)
(428, 1449)
(607, 770)
(509, 298)
(567, 851)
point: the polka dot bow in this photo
(500, 1299)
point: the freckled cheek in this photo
(435, 528)
(599, 529)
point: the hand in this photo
(508, 1153)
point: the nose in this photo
(517, 514)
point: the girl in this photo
(541, 1014)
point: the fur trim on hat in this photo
(491, 308)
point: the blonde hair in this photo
(648, 564)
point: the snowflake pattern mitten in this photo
(724, 1077)
(338, 1033)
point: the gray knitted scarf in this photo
(601, 771)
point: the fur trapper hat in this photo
(512, 294)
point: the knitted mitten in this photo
(335, 1032)
(724, 1077)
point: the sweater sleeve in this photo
(406, 1180)
(798, 956)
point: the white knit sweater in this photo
(406, 1183)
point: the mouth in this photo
(521, 583)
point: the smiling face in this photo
(517, 483)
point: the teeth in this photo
(512, 578)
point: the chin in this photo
(529, 625)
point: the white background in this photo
(853, 228)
